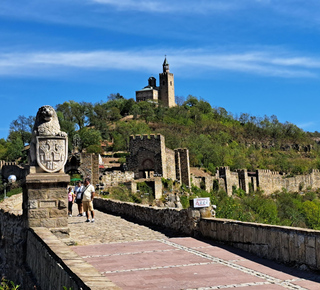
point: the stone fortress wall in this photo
(149, 158)
(267, 180)
(147, 153)
(116, 177)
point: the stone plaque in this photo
(48, 203)
(52, 152)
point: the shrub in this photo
(184, 201)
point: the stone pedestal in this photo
(45, 200)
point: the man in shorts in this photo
(88, 195)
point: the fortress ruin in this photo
(149, 159)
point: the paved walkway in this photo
(136, 257)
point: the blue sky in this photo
(259, 57)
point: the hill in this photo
(213, 136)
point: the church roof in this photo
(165, 62)
(147, 88)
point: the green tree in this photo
(77, 113)
(3, 149)
(147, 111)
(15, 148)
(23, 126)
(135, 111)
(311, 211)
(89, 137)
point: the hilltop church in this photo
(164, 93)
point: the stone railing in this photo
(293, 246)
(55, 265)
(179, 220)
(12, 252)
(36, 257)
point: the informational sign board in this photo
(201, 202)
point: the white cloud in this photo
(306, 125)
(91, 13)
(162, 6)
(256, 63)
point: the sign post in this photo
(200, 202)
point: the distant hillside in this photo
(213, 136)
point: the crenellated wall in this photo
(270, 181)
(149, 156)
(147, 153)
(267, 180)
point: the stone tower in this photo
(164, 93)
(166, 87)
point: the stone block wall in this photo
(196, 181)
(36, 259)
(270, 181)
(45, 200)
(180, 220)
(182, 160)
(293, 246)
(89, 165)
(267, 180)
(205, 180)
(55, 265)
(230, 179)
(13, 234)
(170, 164)
(243, 180)
(113, 178)
(147, 153)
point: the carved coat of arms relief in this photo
(51, 152)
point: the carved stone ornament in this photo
(52, 152)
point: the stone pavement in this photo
(134, 256)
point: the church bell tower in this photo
(166, 87)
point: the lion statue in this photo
(46, 124)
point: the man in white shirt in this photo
(88, 195)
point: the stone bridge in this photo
(138, 247)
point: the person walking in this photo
(78, 195)
(87, 199)
(70, 200)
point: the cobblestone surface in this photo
(108, 229)
(136, 257)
